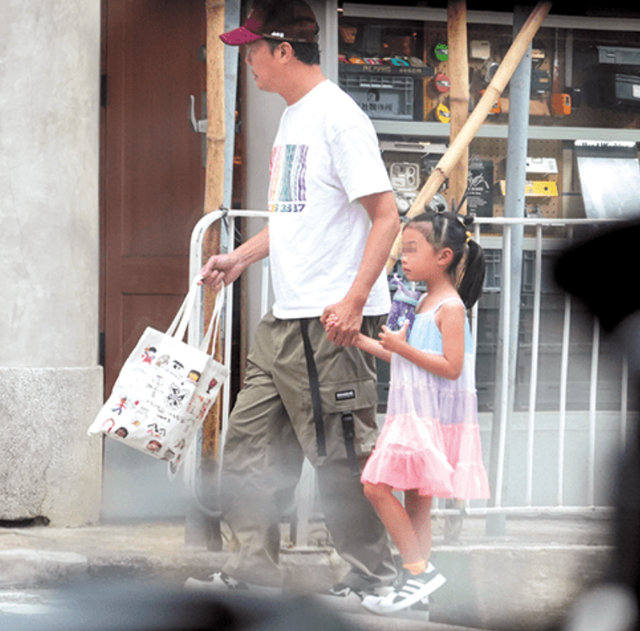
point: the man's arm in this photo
(223, 269)
(385, 225)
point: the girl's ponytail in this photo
(470, 288)
(451, 230)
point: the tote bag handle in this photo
(212, 331)
(178, 327)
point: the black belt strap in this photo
(349, 432)
(314, 386)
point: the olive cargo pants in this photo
(271, 430)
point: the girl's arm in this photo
(450, 320)
(362, 341)
(373, 347)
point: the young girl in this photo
(430, 442)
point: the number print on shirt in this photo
(287, 182)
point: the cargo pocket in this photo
(350, 418)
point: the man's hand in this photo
(220, 270)
(385, 225)
(343, 322)
(223, 269)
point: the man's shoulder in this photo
(331, 98)
(341, 111)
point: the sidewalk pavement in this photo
(550, 552)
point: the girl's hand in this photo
(392, 341)
(330, 322)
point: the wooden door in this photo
(152, 164)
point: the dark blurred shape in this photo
(125, 606)
(601, 272)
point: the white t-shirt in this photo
(325, 157)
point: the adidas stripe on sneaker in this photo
(410, 591)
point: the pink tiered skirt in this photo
(430, 439)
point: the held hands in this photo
(342, 322)
(390, 341)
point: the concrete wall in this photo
(50, 383)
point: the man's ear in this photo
(285, 51)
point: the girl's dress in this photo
(430, 439)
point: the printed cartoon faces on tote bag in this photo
(163, 392)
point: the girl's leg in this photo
(397, 521)
(410, 528)
(418, 509)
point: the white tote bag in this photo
(165, 389)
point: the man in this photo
(307, 392)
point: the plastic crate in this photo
(381, 97)
(627, 89)
(618, 55)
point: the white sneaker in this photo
(412, 590)
(418, 611)
(345, 597)
(222, 582)
(218, 581)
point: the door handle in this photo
(199, 126)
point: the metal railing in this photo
(496, 234)
(538, 246)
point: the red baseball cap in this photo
(287, 20)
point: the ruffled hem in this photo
(444, 461)
(408, 469)
(470, 482)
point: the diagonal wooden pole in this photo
(461, 143)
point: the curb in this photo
(23, 568)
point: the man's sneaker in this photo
(222, 582)
(346, 597)
(218, 581)
(343, 591)
(410, 591)
(341, 596)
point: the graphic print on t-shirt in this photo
(287, 180)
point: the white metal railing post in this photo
(533, 382)
(564, 371)
(624, 403)
(593, 394)
(228, 339)
(504, 394)
(195, 333)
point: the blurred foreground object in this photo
(600, 273)
(123, 606)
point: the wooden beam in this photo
(461, 143)
(214, 189)
(459, 93)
